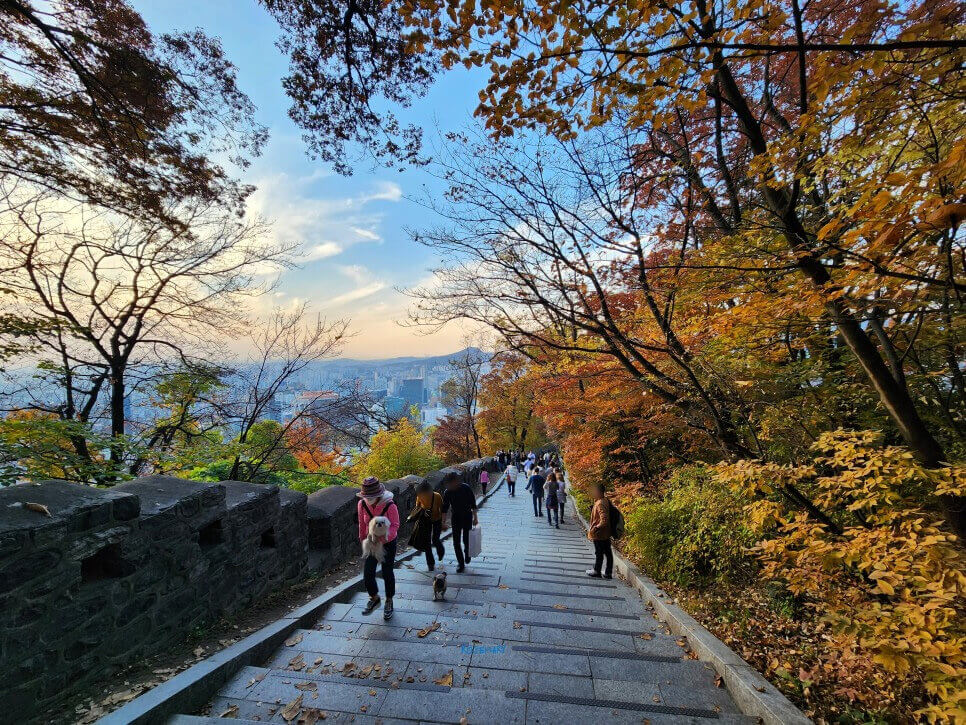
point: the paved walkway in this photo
(524, 636)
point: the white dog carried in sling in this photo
(374, 544)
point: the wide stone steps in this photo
(522, 636)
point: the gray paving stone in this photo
(510, 659)
(627, 691)
(570, 638)
(554, 684)
(476, 705)
(646, 671)
(240, 686)
(501, 680)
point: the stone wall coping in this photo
(159, 493)
(65, 501)
(752, 693)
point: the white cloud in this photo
(385, 191)
(321, 251)
(357, 294)
(356, 272)
(321, 226)
(367, 234)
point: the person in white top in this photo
(511, 479)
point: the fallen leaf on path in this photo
(517, 625)
(255, 679)
(365, 671)
(311, 715)
(306, 686)
(647, 635)
(38, 508)
(232, 711)
(502, 586)
(292, 641)
(426, 630)
(199, 651)
(296, 663)
(118, 697)
(446, 680)
(291, 711)
(559, 606)
(718, 681)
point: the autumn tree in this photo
(453, 440)
(281, 348)
(770, 114)
(396, 453)
(118, 297)
(100, 109)
(508, 398)
(461, 393)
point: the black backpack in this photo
(616, 521)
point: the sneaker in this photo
(558, 526)
(371, 605)
(608, 576)
(430, 567)
(593, 574)
(387, 611)
(461, 568)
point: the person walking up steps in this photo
(511, 480)
(561, 494)
(375, 500)
(550, 499)
(484, 480)
(432, 503)
(460, 502)
(599, 532)
(535, 487)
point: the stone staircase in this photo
(523, 636)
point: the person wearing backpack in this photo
(600, 533)
(375, 500)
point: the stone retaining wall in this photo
(114, 575)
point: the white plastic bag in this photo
(476, 541)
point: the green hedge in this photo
(694, 536)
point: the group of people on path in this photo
(433, 514)
(456, 507)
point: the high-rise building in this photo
(412, 390)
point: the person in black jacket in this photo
(459, 502)
(535, 487)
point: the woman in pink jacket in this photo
(375, 500)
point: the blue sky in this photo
(351, 229)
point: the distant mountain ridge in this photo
(407, 360)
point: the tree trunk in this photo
(893, 395)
